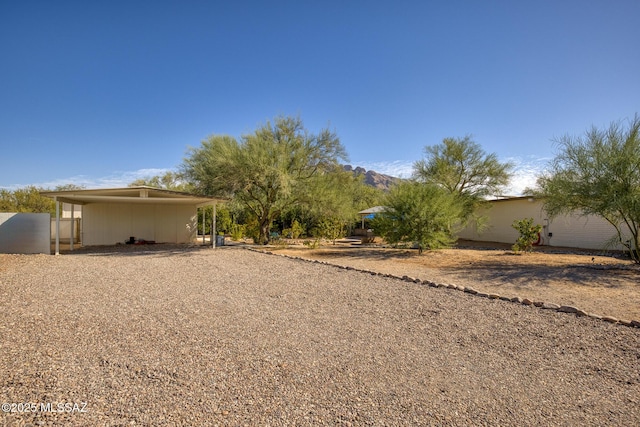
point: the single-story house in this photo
(575, 231)
(111, 216)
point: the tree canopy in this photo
(598, 174)
(29, 199)
(168, 181)
(266, 171)
(462, 167)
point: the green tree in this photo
(7, 202)
(422, 214)
(462, 167)
(168, 181)
(26, 199)
(598, 174)
(333, 197)
(267, 171)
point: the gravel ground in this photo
(175, 336)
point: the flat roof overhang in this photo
(137, 195)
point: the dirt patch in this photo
(607, 285)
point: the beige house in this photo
(111, 216)
(590, 232)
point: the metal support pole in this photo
(81, 225)
(214, 236)
(73, 226)
(55, 200)
(203, 225)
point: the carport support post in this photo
(204, 223)
(55, 200)
(214, 236)
(81, 228)
(73, 224)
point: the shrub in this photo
(312, 244)
(421, 215)
(295, 231)
(529, 234)
(237, 232)
(331, 228)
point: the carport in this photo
(112, 216)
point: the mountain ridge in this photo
(373, 178)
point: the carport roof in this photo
(140, 194)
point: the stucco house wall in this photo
(111, 223)
(590, 232)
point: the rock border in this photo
(469, 290)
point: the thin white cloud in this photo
(397, 168)
(525, 173)
(115, 180)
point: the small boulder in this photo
(550, 306)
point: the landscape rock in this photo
(567, 309)
(550, 306)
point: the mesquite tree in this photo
(266, 171)
(599, 174)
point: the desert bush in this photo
(331, 228)
(295, 231)
(312, 244)
(529, 234)
(237, 232)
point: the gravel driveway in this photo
(175, 336)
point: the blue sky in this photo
(101, 93)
